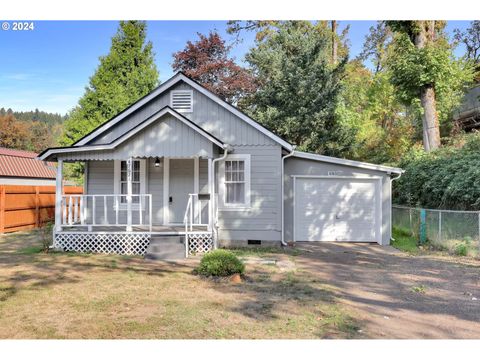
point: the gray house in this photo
(182, 165)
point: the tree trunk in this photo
(431, 128)
(334, 42)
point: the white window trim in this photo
(116, 182)
(190, 92)
(222, 191)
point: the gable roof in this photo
(122, 138)
(20, 163)
(164, 87)
(346, 162)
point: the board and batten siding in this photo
(167, 136)
(209, 115)
(297, 166)
(262, 221)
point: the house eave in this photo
(164, 87)
(47, 154)
(346, 162)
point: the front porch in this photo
(126, 222)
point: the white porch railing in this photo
(106, 210)
(198, 213)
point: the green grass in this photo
(30, 250)
(419, 289)
(404, 241)
(264, 251)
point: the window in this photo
(235, 190)
(182, 100)
(135, 181)
(121, 180)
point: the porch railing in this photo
(106, 210)
(197, 213)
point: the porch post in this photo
(58, 196)
(129, 193)
(210, 191)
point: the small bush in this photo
(461, 249)
(220, 263)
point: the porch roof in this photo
(165, 133)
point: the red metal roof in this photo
(21, 163)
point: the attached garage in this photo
(337, 209)
(332, 199)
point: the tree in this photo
(471, 40)
(126, 74)
(422, 66)
(207, 61)
(299, 87)
(14, 134)
(376, 45)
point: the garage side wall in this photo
(298, 166)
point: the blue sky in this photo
(49, 67)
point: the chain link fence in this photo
(447, 230)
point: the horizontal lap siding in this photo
(263, 220)
(100, 182)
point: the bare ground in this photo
(313, 291)
(396, 295)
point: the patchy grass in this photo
(419, 289)
(263, 251)
(69, 295)
(404, 241)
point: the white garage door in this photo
(337, 209)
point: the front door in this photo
(181, 183)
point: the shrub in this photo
(461, 249)
(220, 263)
(446, 178)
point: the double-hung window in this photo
(121, 180)
(235, 187)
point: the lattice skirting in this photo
(200, 242)
(105, 243)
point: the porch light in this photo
(157, 162)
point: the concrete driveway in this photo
(396, 295)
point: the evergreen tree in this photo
(299, 87)
(126, 74)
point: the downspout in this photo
(214, 205)
(283, 194)
(391, 203)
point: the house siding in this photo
(262, 221)
(167, 136)
(297, 166)
(211, 116)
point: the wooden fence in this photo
(27, 207)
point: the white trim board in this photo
(345, 162)
(164, 87)
(129, 134)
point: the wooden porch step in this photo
(166, 248)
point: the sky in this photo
(48, 67)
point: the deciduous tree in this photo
(207, 61)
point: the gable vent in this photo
(182, 100)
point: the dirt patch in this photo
(400, 296)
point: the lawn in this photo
(62, 295)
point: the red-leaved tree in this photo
(207, 61)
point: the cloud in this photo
(19, 76)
